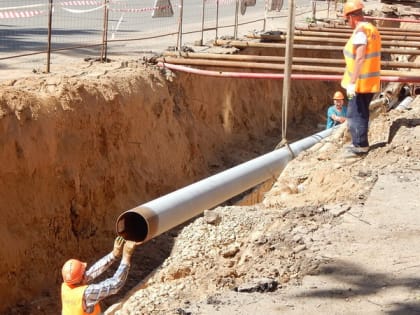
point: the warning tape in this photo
(20, 14)
(89, 2)
(81, 3)
(23, 7)
(222, 2)
(82, 11)
(31, 13)
(133, 10)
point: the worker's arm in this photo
(340, 119)
(97, 292)
(105, 262)
(360, 41)
(100, 267)
(358, 64)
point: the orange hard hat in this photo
(338, 96)
(73, 271)
(352, 6)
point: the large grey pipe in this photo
(155, 217)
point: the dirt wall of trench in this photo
(78, 151)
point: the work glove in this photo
(118, 246)
(351, 90)
(128, 250)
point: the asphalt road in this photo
(75, 25)
(81, 25)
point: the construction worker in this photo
(361, 79)
(78, 295)
(336, 113)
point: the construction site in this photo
(215, 157)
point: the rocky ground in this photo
(253, 259)
(330, 236)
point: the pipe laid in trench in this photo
(155, 217)
(336, 35)
(348, 30)
(392, 19)
(245, 44)
(268, 66)
(278, 76)
(276, 59)
(342, 41)
(382, 18)
(380, 28)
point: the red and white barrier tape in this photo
(31, 13)
(20, 14)
(23, 7)
(82, 11)
(222, 2)
(81, 3)
(138, 10)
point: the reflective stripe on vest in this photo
(369, 77)
(71, 299)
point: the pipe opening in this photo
(132, 226)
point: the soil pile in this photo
(79, 149)
(272, 245)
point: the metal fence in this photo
(104, 27)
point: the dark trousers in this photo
(358, 118)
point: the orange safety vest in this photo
(370, 74)
(72, 301)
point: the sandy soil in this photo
(80, 147)
(331, 237)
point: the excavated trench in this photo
(78, 151)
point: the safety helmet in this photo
(338, 96)
(73, 271)
(352, 6)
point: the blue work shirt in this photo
(332, 110)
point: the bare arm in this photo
(360, 59)
(338, 118)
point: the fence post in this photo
(181, 13)
(50, 9)
(265, 15)
(328, 9)
(235, 30)
(105, 33)
(202, 23)
(217, 17)
(313, 10)
(288, 67)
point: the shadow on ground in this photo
(360, 282)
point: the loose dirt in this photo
(330, 236)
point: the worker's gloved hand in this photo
(351, 90)
(128, 250)
(118, 246)
(341, 119)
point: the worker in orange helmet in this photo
(361, 79)
(336, 113)
(78, 295)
